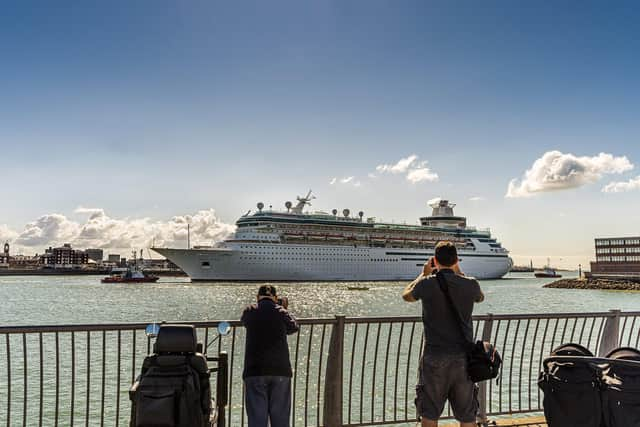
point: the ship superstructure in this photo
(296, 245)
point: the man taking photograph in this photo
(267, 368)
(443, 366)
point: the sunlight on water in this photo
(73, 299)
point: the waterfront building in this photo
(64, 257)
(4, 256)
(113, 259)
(95, 254)
(616, 256)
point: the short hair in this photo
(446, 254)
(267, 291)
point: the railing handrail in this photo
(83, 327)
(365, 360)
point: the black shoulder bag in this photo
(484, 361)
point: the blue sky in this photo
(156, 109)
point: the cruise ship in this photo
(298, 245)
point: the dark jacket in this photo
(266, 350)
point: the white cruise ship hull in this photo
(246, 261)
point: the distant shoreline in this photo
(52, 272)
(595, 283)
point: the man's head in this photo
(267, 292)
(446, 255)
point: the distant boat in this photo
(357, 288)
(131, 274)
(547, 271)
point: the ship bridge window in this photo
(205, 264)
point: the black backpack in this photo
(173, 389)
(621, 388)
(571, 383)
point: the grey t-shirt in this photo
(441, 327)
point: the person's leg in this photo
(463, 395)
(256, 401)
(429, 423)
(432, 390)
(279, 401)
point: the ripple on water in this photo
(83, 299)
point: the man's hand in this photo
(456, 269)
(428, 267)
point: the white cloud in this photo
(559, 171)
(346, 180)
(421, 174)
(400, 167)
(620, 187)
(100, 230)
(46, 229)
(6, 234)
(414, 170)
(476, 199)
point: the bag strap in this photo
(444, 287)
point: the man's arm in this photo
(427, 270)
(407, 294)
(479, 294)
(245, 314)
(289, 321)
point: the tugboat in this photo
(547, 272)
(131, 274)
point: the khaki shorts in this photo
(442, 378)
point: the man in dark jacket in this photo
(267, 368)
(443, 370)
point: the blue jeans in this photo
(268, 399)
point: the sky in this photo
(121, 122)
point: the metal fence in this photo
(347, 371)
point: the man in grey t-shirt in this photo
(443, 370)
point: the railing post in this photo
(611, 334)
(222, 388)
(482, 392)
(332, 411)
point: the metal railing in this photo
(347, 371)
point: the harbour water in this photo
(106, 363)
(83, 299)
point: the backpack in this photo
(621, 388)
(581, 390)
(571, 383)
(173, 389)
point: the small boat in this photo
(131, 274)
(357, 288)
(547, 272)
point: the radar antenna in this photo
(302, 202)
